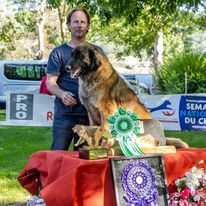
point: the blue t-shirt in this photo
(57, 62)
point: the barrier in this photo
(176, 112)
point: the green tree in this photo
(132, 25)
(6, 31)
(62, 9)
(142, 20)
(37, 8)
(14, 34)
(188, 66)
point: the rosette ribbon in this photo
(150, 200)
(124, 126)
(139, 183)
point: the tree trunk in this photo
(62, 10)
(158, 50)
(61, 23)
(41, 21)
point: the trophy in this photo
(92, 135)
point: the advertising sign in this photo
(176, 112)
(21, 106)
(192, 113)
(29, 109)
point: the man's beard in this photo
(80, 34)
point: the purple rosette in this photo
(139, 184)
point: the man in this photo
(68, 111)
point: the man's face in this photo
(78, 25)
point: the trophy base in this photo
(91, 153)
(159, 150)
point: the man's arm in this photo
(65, 96)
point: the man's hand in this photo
(68, 99)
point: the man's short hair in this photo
(78, 9)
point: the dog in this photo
(101, 89)
(91, 135)
(94, 136)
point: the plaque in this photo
(140, 181)
(93, 153)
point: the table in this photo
(68, 180)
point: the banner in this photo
(176, 112)
(29, 109)
(192, 113)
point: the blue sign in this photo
(192, 112)
(21, 106)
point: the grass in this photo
(193, 138)
(18, 143)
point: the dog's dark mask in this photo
(83, 61)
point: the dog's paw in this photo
(146, 141)
(178, 143)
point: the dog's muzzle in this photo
(68, 68)
(74, 72)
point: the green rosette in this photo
(124, 127)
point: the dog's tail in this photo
(178, 143)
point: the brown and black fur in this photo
(101, 90)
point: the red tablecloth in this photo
(68, 180)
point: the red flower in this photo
(183, 203)
(199, 203)
(185, 193)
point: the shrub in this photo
(171, 76)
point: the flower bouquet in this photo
(191, 189)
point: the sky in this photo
(5, 6)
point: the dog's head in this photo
(83, 60)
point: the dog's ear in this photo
(95, 61)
